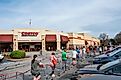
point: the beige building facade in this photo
(31, 39)
(82, 39)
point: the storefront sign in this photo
(29, 33)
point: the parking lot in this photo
(20, 70)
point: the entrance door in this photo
(6, 47)
(38, 47)
(63, 45)
(26, 47)
(51, 46)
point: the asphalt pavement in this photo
(10, 68)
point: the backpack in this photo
(54, 61)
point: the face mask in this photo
(36, 58)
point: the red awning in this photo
(50, 38)
(64, 39)
(6, 38)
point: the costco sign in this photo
(29, 33)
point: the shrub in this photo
(18, 54)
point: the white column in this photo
(58, 41)
(43, 42)
(15, 42)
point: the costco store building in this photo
(30, 39)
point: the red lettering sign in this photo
(29, 33)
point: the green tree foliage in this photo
(118, 38)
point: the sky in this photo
(90, 16)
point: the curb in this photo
(16, 60)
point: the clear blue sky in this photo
(92, 16)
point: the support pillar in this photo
(15, 42)
(58, 41)
(43, 43)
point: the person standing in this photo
(94, 51)
(64, 59)
(78, 53)
(74, 57)
(100, 50)
(35, 71)
(88, 51)
(105, 48)
(83, 52)
(53, 61)
(40, 51)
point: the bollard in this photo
(16, 75)
(23, 76)
(5, 77)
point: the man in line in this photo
(83, 52)
(64, 59)
(74, 57)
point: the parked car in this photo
(1, 56)
(108, 71)
(104, 58)
(114, 49)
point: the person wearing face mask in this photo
(35, 68)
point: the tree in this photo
(113, 41)
(104, 39)
(117, 38)
(103, 36)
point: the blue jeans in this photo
(64, 62)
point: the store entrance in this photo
(6, 47)
(63, 45)
(31, 46)
(51, 46)
(25, 47)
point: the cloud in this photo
(75, 16)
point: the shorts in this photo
(36, 74)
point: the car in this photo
(105, 58)
(110, 70)
(1, 56)
(114, 49)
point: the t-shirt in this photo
(87, 50)
(83, 50)
(34, 65)
(100, 49)
(74, 54)
(35, 68)
(64, 56)
(78, 51)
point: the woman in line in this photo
(35, 68)
(53, 61)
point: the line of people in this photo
(37, 65)
(76, 55)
